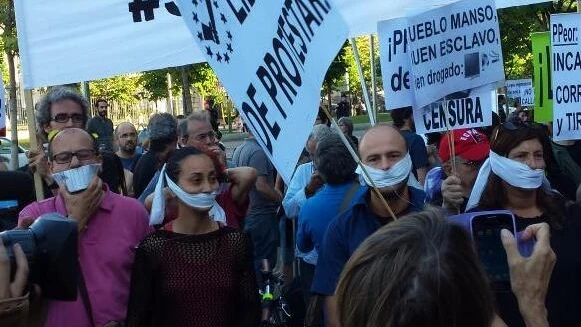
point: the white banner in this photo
(460, 110)
(521, 90)
(395, 63)
(566, 65)
(272, 63)
(454, 48)
(63, 41)
(2, 109)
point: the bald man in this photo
(110, 227)
(126, 138)
(385, 157)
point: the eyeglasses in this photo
(63, 118)
(211, 136)
(67, 156)
(513, 127)
(472, 164)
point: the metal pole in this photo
(373, 84)
(362, 79)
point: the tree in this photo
(516, 25)
(363, 47)
(123, 89)
(10, 44)
(155, 83)
(335, 75)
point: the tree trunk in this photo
(13, 111)
(169, 95)
(186, 91)
(329, 95)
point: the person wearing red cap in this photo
(459, 170)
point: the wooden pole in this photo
(359, 163)
(33, 143)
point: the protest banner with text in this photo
(272, 57)
(565, 77)
(566, 68)
(541, 43)
(459, 110)
(454, 48)
(521, 90)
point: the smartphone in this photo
(485, 228)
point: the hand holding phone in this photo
(530, 276)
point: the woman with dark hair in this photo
(194, 271)
(513, 178)
(346, 126)
(421, 271)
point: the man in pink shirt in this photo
(110, 226)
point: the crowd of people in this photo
(172, 232)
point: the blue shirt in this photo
(417, 150)
(319, 210)
(433, 186)
(345, 233)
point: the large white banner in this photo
(272, 57)
(472, 108)
(454, 48)
(566, 65)
(63, 41)
(2, 109)
(521, 90)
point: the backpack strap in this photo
(348, 197)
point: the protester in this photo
(459, 170)
(13, 297)
(182, 132)
(110, 226)
(501, 106)
(59, 108)
(260, 222)
(195, 271)
(322, 118)
(306, 180)
(336, 167)
(432, 144)
(163, 135)
(233, 197)
(421, 271)
(403, 119)
(385, 157)
(346, 126)
(513, 178)
(101, 126)
(126, 137)
(213, 114)
(343, 108)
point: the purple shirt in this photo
(106, 251)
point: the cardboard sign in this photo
(454, 48)
(460, 110)
(566, 68)
(521, 90)
(272, 57)
(543, 87)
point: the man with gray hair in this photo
(306, 180)
(58, 109)
(336, 167)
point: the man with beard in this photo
(126, 136)
(102, 126)
(385, 157)
(403, 119)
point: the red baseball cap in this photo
(469, 144)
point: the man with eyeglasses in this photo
(58, 109)
(110, 226)
(459, 170)
(126, 136)
(102, 126)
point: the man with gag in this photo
(384, 155)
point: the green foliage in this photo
(516, 25)
(335, 76)
(363, 47)
(124, 89)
